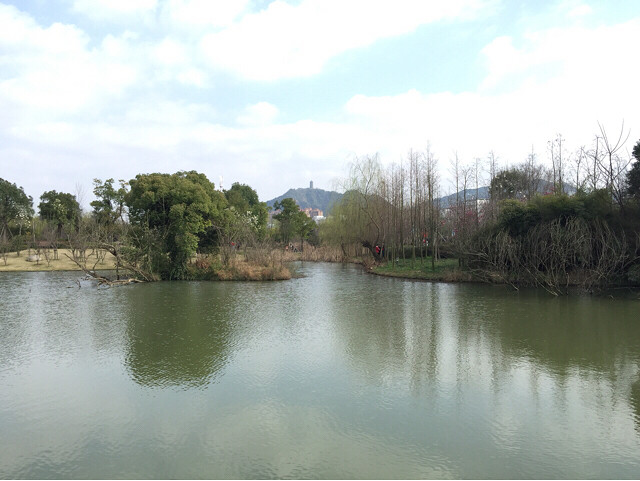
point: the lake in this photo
(337, 374)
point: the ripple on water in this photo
(337, 374)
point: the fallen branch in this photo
(101, 279)
(112, 248)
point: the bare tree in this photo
(612, 164)
(556, 153)
(433, 209)
(533, 173)
(476, 177)
(594, 155)
(579, 164)
(492, 168)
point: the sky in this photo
(275, 94)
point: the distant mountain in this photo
(482, 193)
(307, 197)
(325, 199)
(472, 194)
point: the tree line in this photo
(154, 225)
(574, 223)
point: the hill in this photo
(325, 199)
(448, 200)
(307, 197)
(481, 193)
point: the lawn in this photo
(13, 263)
(445, 269)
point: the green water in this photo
(338, 374)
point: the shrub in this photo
(517, 217)
(563, 207)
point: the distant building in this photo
(312, 212)
(311, 184)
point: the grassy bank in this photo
(444, 270)
(14, 263)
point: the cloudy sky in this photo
(277, 93)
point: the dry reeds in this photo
(322, 254)
(240, 270)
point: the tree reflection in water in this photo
(184, 344)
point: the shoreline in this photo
(446, 274)
(457, 277)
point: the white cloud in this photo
(170, 52)
(194, 77)
(287, 40)
(20, 33)
(174, 60)
(579, 54)
(262, 113)
(56, 71)
(580, 11)
(114, 9)
(53, 70)
(204, 13)
(65, 96)
(557, 81)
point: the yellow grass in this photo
(243, 271)
(63, 263)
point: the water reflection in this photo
(426, 332)
(183, 344)
(523, 372)
(635, 402)
(339, 374)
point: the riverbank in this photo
(444, 270)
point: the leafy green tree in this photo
(508, 184)
(14, 205)
(245, 201)
(109, 204)
(518, 217)
(633, 176)
(176, 210)
(343, 228)
(293, 223)
(59, 207)
(306, 228)
(286, 218)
